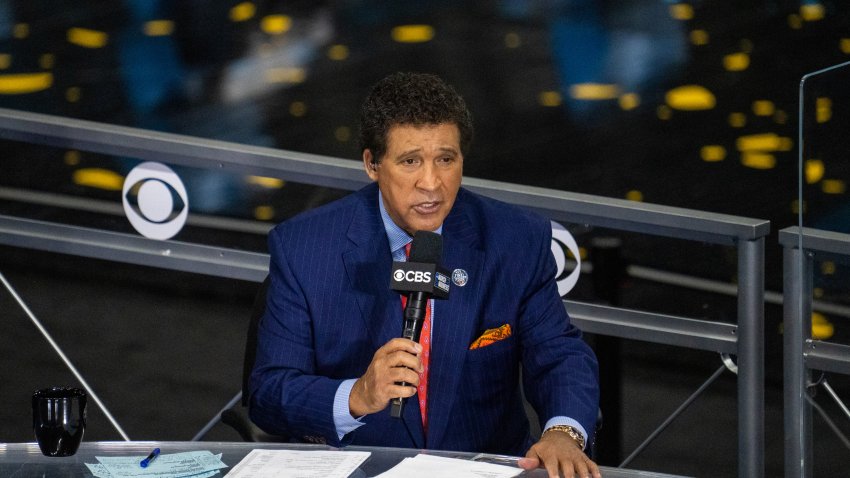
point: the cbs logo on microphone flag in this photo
(155, 200)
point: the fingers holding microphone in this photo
(396, 362)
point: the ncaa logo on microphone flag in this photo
(155, 201)
(563, 241)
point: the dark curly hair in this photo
(411, 99)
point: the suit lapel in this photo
(368, 264)
(455, 319)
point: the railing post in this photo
(751, 358)
(797, 287)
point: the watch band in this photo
(571, 431)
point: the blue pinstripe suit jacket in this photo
(330, 308)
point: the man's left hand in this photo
(559, 453)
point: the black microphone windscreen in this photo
(427, 247)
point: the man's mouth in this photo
(427, 207)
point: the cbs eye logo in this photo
(155, 201)
(563, 241)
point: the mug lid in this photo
(59, 392)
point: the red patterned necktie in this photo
(425, 341)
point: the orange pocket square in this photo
(491, 336)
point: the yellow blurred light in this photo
(690, 98)
(412, 33)
(21, 30)
(814, 170)
(99, 178)
(763, 142)
(795, 22)
(817, 292)
(264, 213)
(158, 28)
(286, 75)
(664, 112)
(265, 182)
(338, 52)
(812, 12)
(594, 91)
(72, 157)
(795, 207)
(822, 329)
(276, 24)
(512, 40)
(737, 120)
(699, 37)
(298, 109)
(634, 195)
(823, 108)
(833, 186)
(46, 61)
(582, 253)
(87, 38)
(243, 11)
(682, 11)
(763, 107)
(712, 153)
(828, 268)
(629, 101)
(73, 94)
(5, 61)
(844, 45)
(549, 98)
(736, 61)
(22, 83)
(758, 160)
(342, 134)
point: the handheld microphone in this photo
(420, 278)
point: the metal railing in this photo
(744, 339)
(801, 353)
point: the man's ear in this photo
(370, 164)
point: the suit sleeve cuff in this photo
(566, 421)
(343, 421)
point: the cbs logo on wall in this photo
(155, 201)
(563, 242)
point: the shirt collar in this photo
(397, 236)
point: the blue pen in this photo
(147, 461)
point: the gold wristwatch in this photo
(571, 431)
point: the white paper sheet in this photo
(298, 464)
(430, 466)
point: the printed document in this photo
(298, 464)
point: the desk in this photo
(24, 460)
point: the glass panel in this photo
(163, 350)
(86, 189)
(825, 176)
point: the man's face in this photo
(420, 174)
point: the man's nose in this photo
(429, 179)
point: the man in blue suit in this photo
(329, 356)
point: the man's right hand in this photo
(397, 361)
